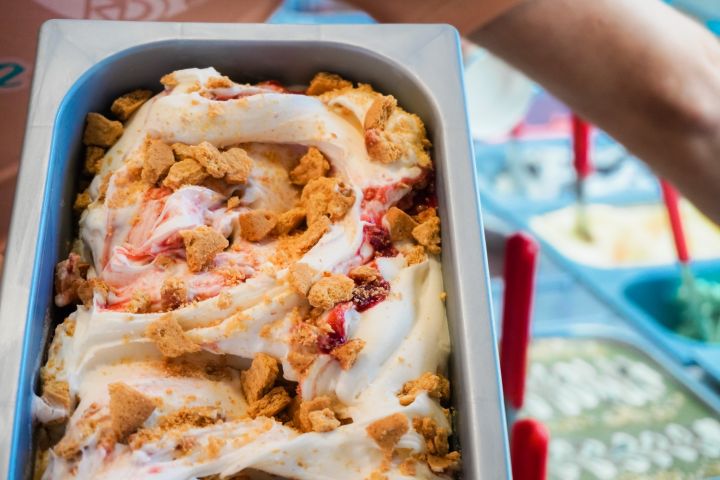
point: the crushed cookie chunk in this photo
(414, 255)
(291, 247)
(184, 172)
(189, 417)
(201, 246)
(139, 303)
(100, 131)
(437, 386)
(158, 158)
(401, 225)
(170, 338)
(426, 214)
(69, 275)
(257, 380)
(379, 112)
(323, 420)
(169, 80)
(128, 409)
(326, 82)
(312, 165)
(255, 225)
(377, 475)
(173, 293)
(274, 402)
(328, 291)
(233, 202)
(209, 157)
(93, 157)
(387, 431)
(300, 360)
(427, 234)
(301, 276)
(348, 352)
(380, 148)
(436, 437)
(182, 151)
(57, 393)
(289, 221)
(364, 274)
(219, 82)
(82, 201)
(238, 164)
(408, 467)
(127, 104)
(445, 463)
(301, 410)
(86, 291)
(326, 197)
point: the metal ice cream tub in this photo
(83, 65)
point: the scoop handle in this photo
(581, 131)
(529, 450)
(520, 261)
(670, 197)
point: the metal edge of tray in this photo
(68, 48)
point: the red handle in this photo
(520, 260)
(529, 450)
(671, 202)
(581, 147)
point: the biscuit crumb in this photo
(238, 164)
(57, 393)
(326, 197)
(427, 234)
(139, 303)
(401, 224)
(414, 255)
(303, 408)
(69, 275)
(169, 337)
(436, 437)
(312, 165)
(328, 291)
(184, 172)
(86, 291)
(380, 148)
(218, 82)
(323, 420)
(158, 158)
(100, 131)
(255, 225)
(127, 104)
(379, 112)
(201, 246)
(173, 293)
(441, 464)
(224, 300)
(93, 157)
(209, 157)
(387, 431)
(257, 380)
(294, 246)
(347, 353)
(289, 221)
(233, 202)
(128, 409)
(443, 296)
(437, 386)
(300, 276)
(425, 214)
(274, 402)
(408, 467)
(169, 80)
(326, 82)
(364, 274)
(82, 200)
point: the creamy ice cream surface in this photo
(255, 292)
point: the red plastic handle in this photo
(520, 260)
(529, 450)
(671, 202)
(581, 146)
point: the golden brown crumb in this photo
(364, 274)
(312, 165)
(414, 255)
(255, 225)
(436, 437)
(257, 380)
(294, 246)
(300, 360)
(380, 148)
(347, 353)
(379, 112)
(86, 291)
(376, 475)
(328, 291)
(238, 164)
(323, 420)
(426, 214)
(201, 246)
(207, 155)
(326, 82)
(127, 104)
(128, 409)
(387, 431)
(157, 161)
(326, 197)
(184, 172)
(93, 156)
(173, 293)
(437, 386)
(443, 296)
(182, 151)
(139, 303)
(401, 224)
(69, 275)
(289, 221)
(427, 234)
(301, 277)
(302, 408)
(57, 393)
(169, 337)
(408, 467)
(440, 464)
(224, 300)
(189, 417)
(100, 131)
(274, 402)
(233, 202)
(219, 82)
(169, 80)
(82, 200)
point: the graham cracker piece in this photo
(93, 156)
(436, 438)
(169, 80)
(170, 338)
(157, 160)
(329, 290)
(380, 148)
(348, 352)
(302, 409)
(233, 202)
(292, 247)
(300, 276)
(387, 431)
(379, 112)
(127, 104)
(442, 464)
(274, 402)
(86, 291)
(238, 166)
(401, 224)
(255, 225)
(173, 293)
(257, 380)
(312, 165)
(207, 155)
(326, 82)
(139, 303)
(69, 276)
(202, 245)
(184, 172)
(128, 409)
(414, 255)
(289, 221)
(437, 386)
(427, 234)
(82, 200)
(408, 467)
(323, 420)
(100, 131)
(364, 274)
(57, 393)
(325, 196)
(219, 82)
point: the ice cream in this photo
(259, 290)
(628, 235)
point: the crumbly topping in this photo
(233, 202)
(326, 197)
(238, 164)
(408, 467)
(387, 431)
(201, 246)
(169, 80)
(348, 352)
(219, 82)
(128, 409)
(207, 155)
(380, 148)
(300, 276)
(57, 393)
(170, 338)
(127, 104)
(292, 247)
(302, 409)
(447, 462)
(437, 386)
(364, 274)
(173, 293)
(82, 200)
(312, 165)
(184, 172)
(69, 275)
(439, 457)
(86, 290)
(329, 290)
(93, 156)
(139, 303)
(379, 112)
(257, 380)
(414, 255)
(289, 221)
(326, 82)
(273, 403)
(427, 234)
(255, 225)
(157, 160)
(401, 224)
(100, 131)
(323, 420)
